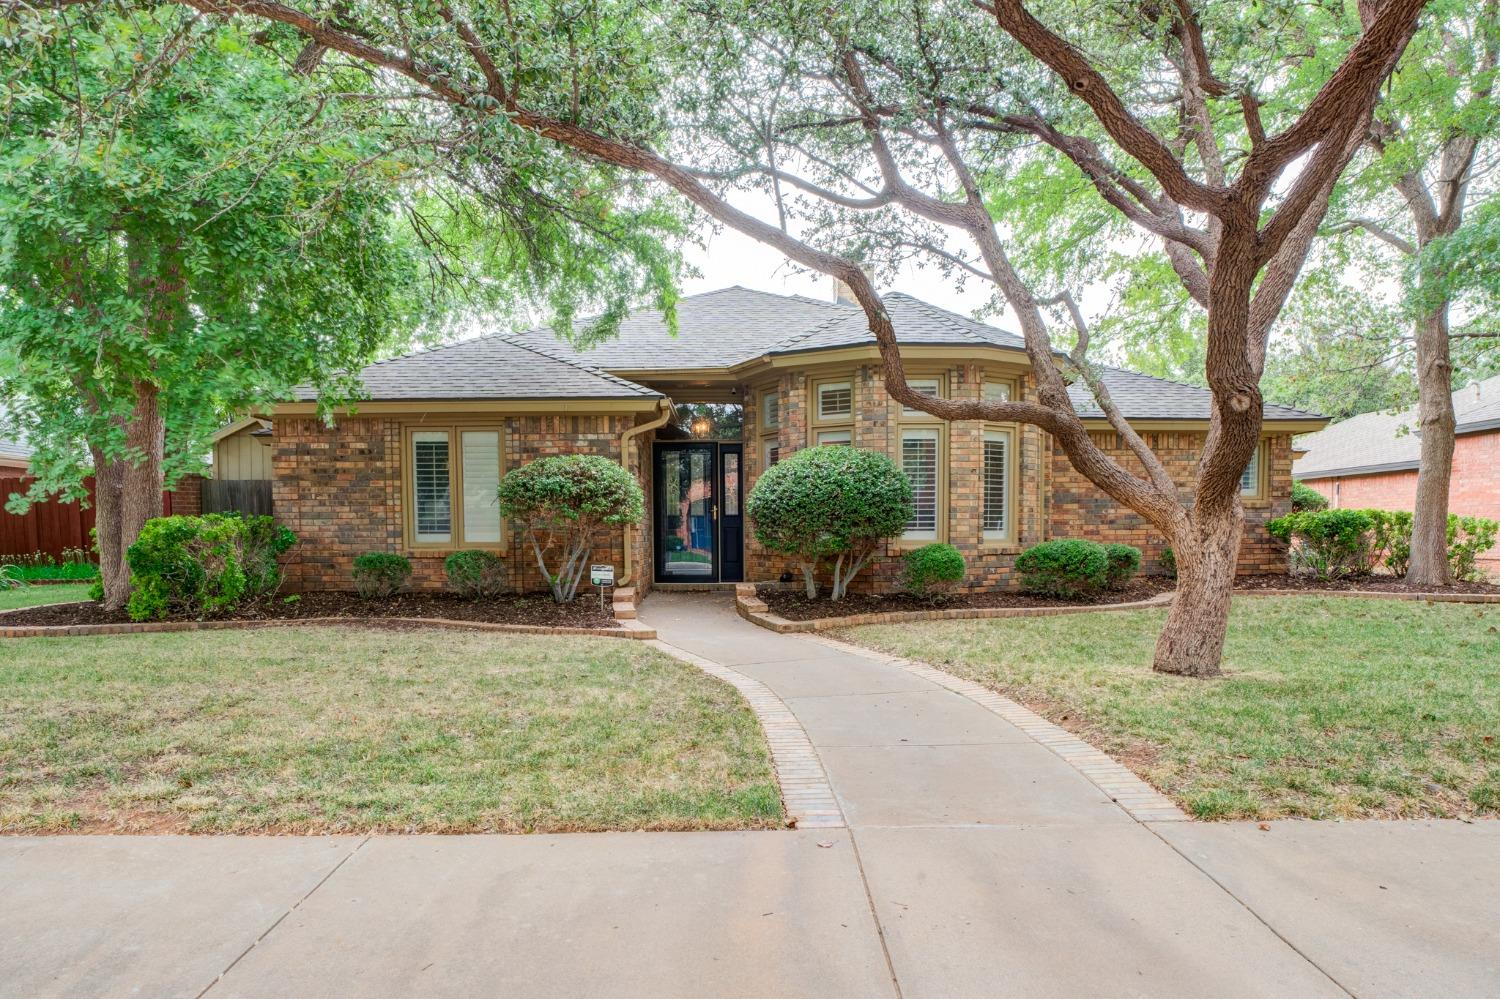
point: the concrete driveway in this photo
(975, 862)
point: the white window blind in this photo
(770, 410)
(432, 482)
(834, 436)
(835, 400)
(1250, 477)
(481, 482)
(996, 483)
(931, 387)
(919, 460)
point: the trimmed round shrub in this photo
(830, 502)
(380, 574)
(933, 569)
(475, 574)
(562, 501)
(1305, 497)
(196, 565)
(1124, 563)
(1067, 567)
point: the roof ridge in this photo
(570, 362)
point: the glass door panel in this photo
(687, 512)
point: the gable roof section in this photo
(916, 322)
(1389, 442)
(488, 367)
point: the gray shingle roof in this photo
(1373, 442)
(916, 322)
(489, 367)
(1145, 397)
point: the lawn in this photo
(312, 729)
(35, 596)
(1332, 707)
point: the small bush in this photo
(1468, 538)
(265, 542)
(1305, 497)
(1068, 567)
(187, 565)
(380, 574)
(1124, 563)
(1390, 539)
(1328, 544)
(475, 574)
(1168, 561)
(933, 570)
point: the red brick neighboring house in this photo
(1370, 461)
(414, 468)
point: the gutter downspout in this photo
(626, 439)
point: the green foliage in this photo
(1305, 497)
(832, 501)
(562, 500)
(475, 574)
(1066, 567)
(933, 569)
(1468, 538)
(74, 564)
(1124, 563)
(1328, 544)
(1390, 539)
(380, 574)
(1168, 560)
(203, 566)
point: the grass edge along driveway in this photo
(1331, 706)
(325, 730)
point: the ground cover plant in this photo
(308, 729)
(1330, 707)
(74, 564)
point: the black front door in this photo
(698, 513)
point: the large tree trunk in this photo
(127, 492)
(1207, 553)
(1429, 567)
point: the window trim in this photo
(819, 424)
(916, 415)
(937, 432)
(769, 435)
(457, 539)
(1011, 386)
(1009, 432)
(1258, 461)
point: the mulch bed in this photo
(533, 609)
(794, 605)
(1379, 584)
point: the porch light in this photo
(701, 426)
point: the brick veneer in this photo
(340, 489)
(1473, 490)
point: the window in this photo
(833, 437)
(770, 410)
(773, 455)
(932, 387)
(996, 391)
(731, 484)
(919, 460)
(996, 483)
(453, 495)
(770, 424)
(1250, 477)
(835, 401)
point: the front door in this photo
(687, 512)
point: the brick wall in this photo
(1474, 490)
(187, 499)
(340, 489)
(1079, 509)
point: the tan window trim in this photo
(1012, 477)
(1261, 492)
(817, 423)
(457, 541)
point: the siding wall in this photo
(241, 456)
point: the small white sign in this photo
(602, 575)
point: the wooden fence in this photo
(249, 496)
(47, 527)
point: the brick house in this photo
(414, 468)
(1370, 461)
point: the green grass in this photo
(1331, 707)
(308, 729)
(34, 596)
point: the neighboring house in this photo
(414, 469)
(1370, 461)
(15, 459)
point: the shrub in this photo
(833, 501)
(380, 574)
(1305, 497)
(197, 565)
(933, 569)
(475, 574)
(1390, 539)
(1067, 567)
(1328, 544)
(1168, 561)
(1468, 538)
(265, 542)
(563, 500)
(1124, 562)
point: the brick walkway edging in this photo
(1139, 799)
(623, 629)
(806, 793)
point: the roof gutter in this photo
(626, 439)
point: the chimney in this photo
(843, 294)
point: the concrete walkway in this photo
(975, 862)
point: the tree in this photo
(1435, 145)
(564, 500)
(830, 502)
(924, 83)
(191, 223)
